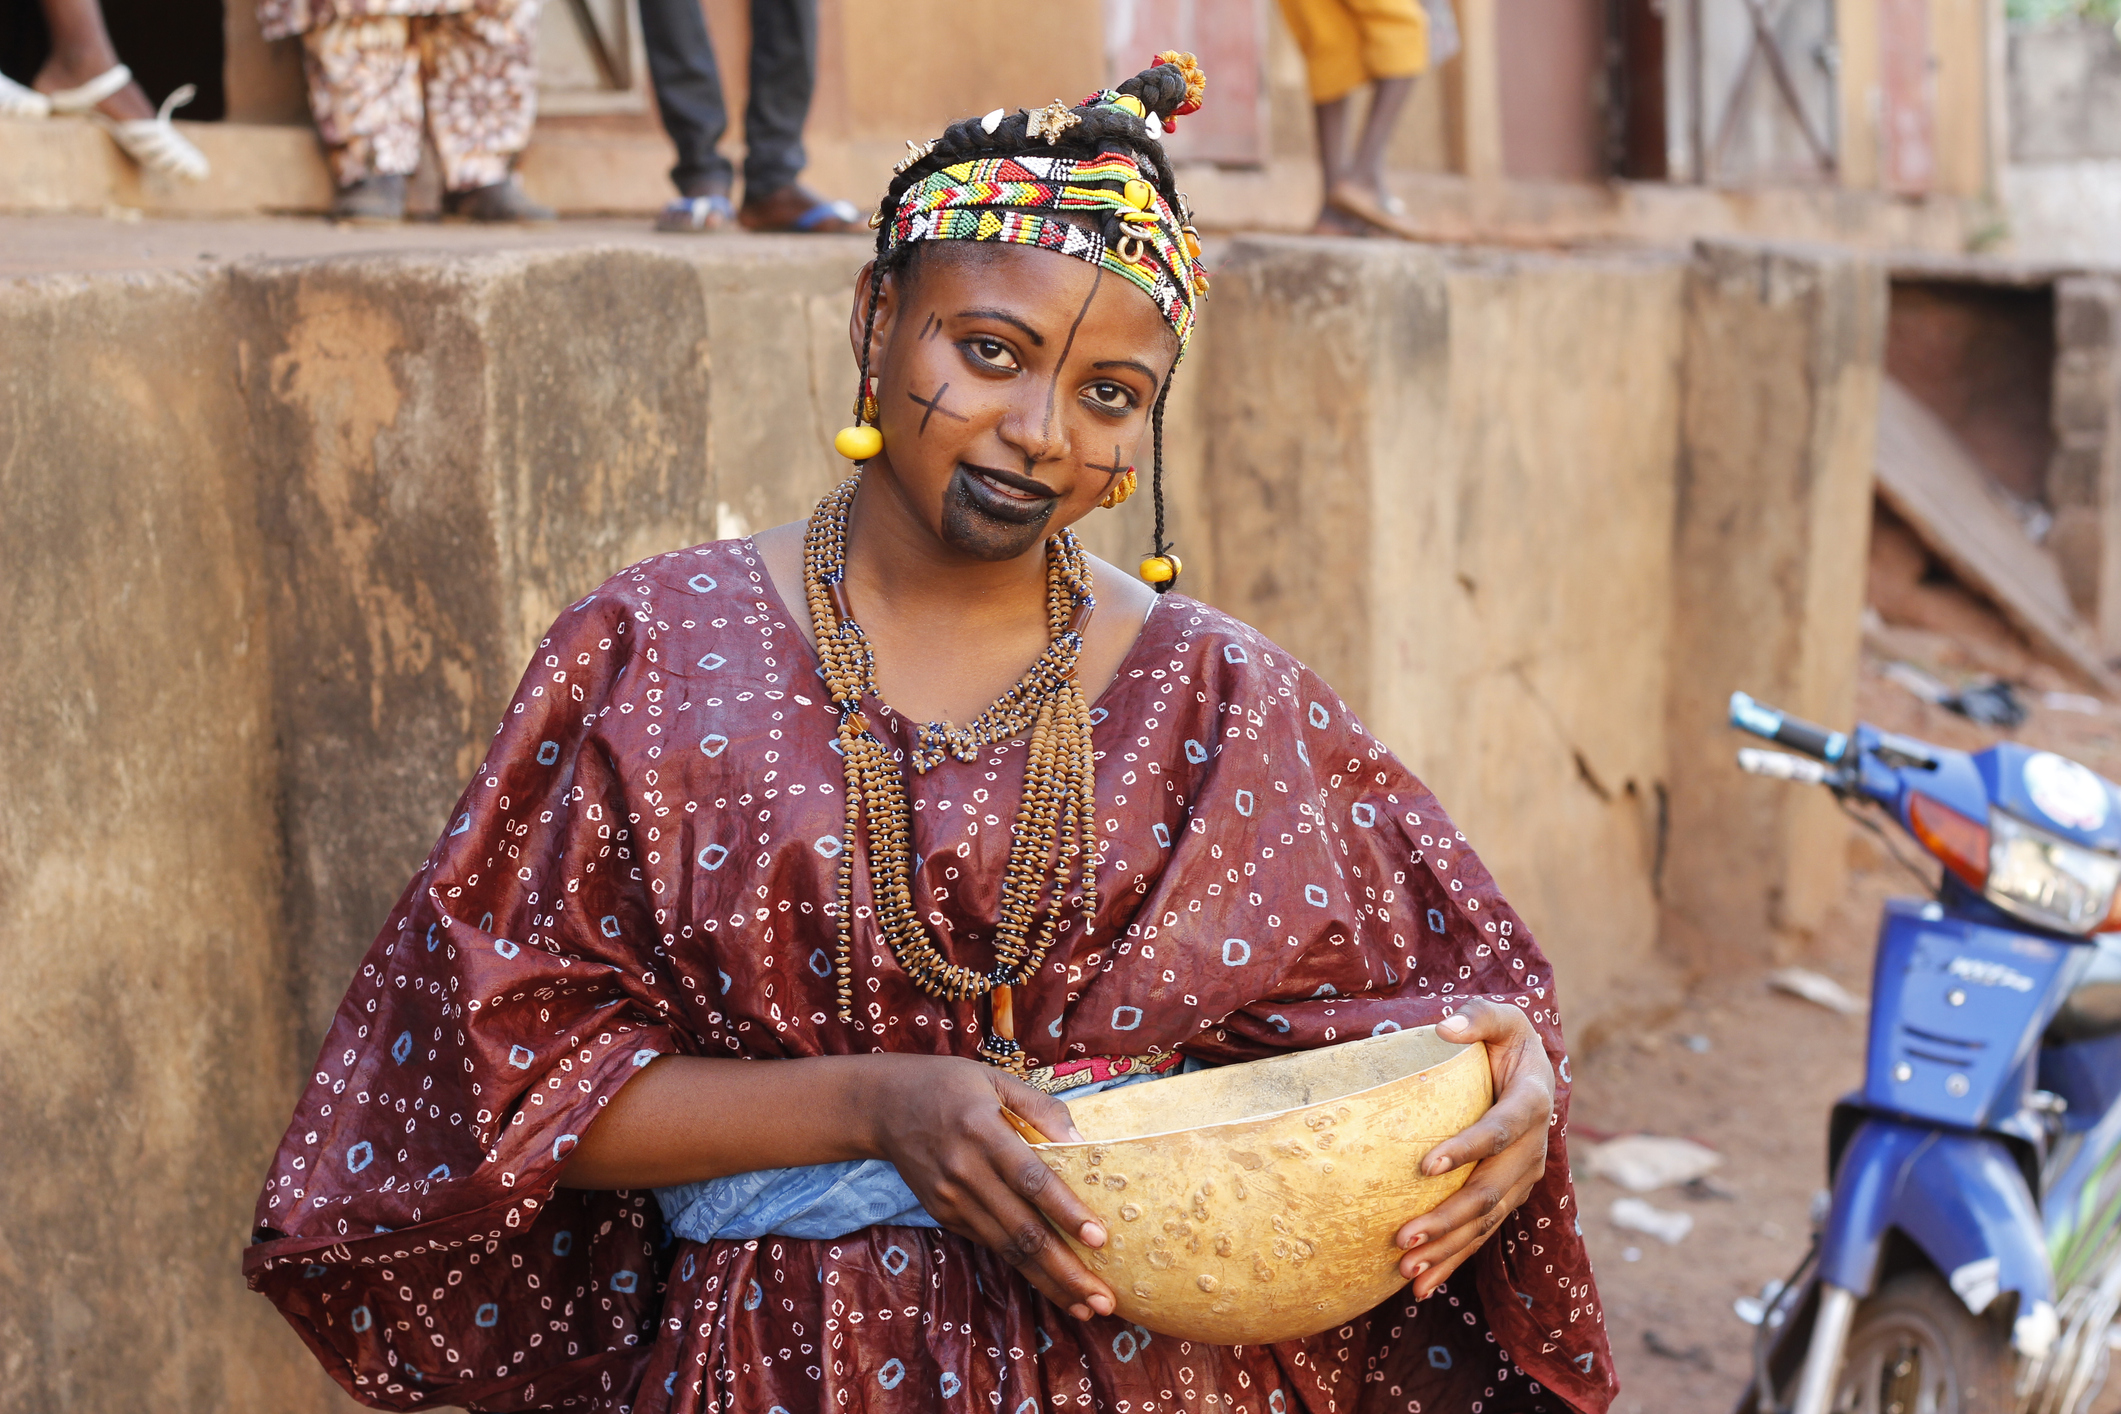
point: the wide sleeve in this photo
(411, 1228)
(1314, 891)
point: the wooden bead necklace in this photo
(1055, 832)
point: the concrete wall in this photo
(276, 538)
(1457, 505)
(1778, 430)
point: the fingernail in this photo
(1079, 1311)
(1093, 1235)
(1420, 1267)
(1102, 1305)
(1436, 1164)
(1075, 1136)
(1416, 1240)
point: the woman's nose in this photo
(1034, 428)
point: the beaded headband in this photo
(1027, 201)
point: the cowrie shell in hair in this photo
(992, 121)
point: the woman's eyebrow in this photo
(1007, 318)
(1142, 368)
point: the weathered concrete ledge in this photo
(276, 537)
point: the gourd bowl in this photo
(1253, 1203)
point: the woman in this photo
(711, 829)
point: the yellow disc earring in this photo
(1123, 486)
(1161, 569)
(863, 440)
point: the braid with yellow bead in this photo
(1091, 182)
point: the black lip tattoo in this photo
(934, 406)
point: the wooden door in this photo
(1763, 87)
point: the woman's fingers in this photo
(1046, 1114)
(1524, 1081)
(1017, 1196)
(1032, 1179)
(1459, 1224)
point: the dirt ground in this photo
(1763, 1069)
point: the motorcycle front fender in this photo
(1960, 1198)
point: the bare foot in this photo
(70, 70)
(1338, 223)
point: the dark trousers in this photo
(688, 92)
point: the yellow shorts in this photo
(1348, 43)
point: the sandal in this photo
(19, 102)
(70, 101)
(153, 142)
(696, 215)
(795, 208)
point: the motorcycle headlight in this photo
(2046, 880)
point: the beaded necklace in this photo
(1054, 834)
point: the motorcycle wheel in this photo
(1915, 1349)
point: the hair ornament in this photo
(993, 121)
(1049, 122)
(1196, 84)
(915, 151)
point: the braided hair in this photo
(1100, 127)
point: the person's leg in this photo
(364, 90)
(482, 99)
(1395, 50)
(783, 73)
(688, 93)
(1388, 98)
(81, 50)
(1325, 32)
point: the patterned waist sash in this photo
(833, 1200)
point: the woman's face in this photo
(1014, 386)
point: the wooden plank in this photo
(1936, 486)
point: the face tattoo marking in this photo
(1053, 388)
(934, 406)
(1110, 471)
(930, 328)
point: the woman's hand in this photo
(1507, 1146)
(939, 1121)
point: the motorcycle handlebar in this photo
(1784, 730)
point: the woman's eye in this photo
(991, 351)
(1112, 397)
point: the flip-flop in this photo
(841, 211)
(155, 143)
(19, 102)
(84, 99)
(821, 215)
(697, 215)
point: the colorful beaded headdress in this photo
(1027, 200)
(1106, 209)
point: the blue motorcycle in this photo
(1968, 1257)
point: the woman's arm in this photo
(938, 1120)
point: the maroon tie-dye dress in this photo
(645, 865)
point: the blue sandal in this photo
(697, 215)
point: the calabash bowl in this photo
(1253, 1203)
